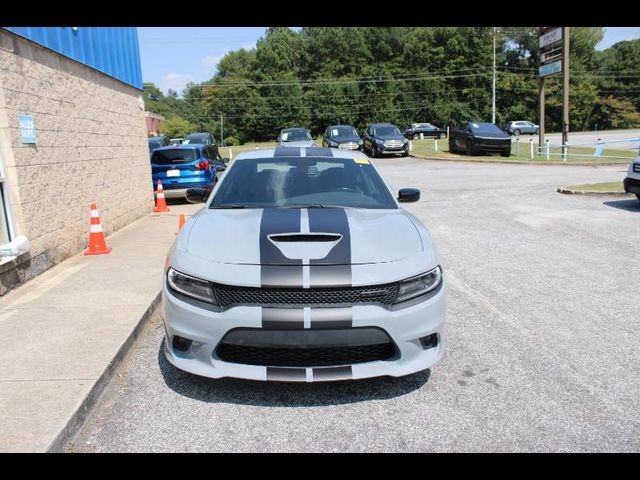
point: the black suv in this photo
(381, 138)
(203, 138)
(157, 142)
(342, 136)
(479, 137)
(426, 129)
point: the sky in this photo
(171, 57)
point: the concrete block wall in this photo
(91, 147)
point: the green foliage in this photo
(325, 75)
(231, 141)
(175, 127)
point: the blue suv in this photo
(180, 167)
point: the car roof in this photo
(291, 129)
(343, 125)
(194, 135)
(385, 124)
(188, 146)
(314, 152)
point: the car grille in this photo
(304, 357)
(228, 296)
(348, 146)
(393, 143)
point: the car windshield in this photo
(485, 128)
(195, 139)
(295, 135)
(302, 182)
(386, 131)
(168, 157)
(344, 131)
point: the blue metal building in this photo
(111, 50)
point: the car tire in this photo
(469, 151)
(505, 154)
(442, 135)
(516, 132)
(537, 131)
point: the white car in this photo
(632, 182)
(303, 267)
(295, 137)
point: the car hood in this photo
(297, 143)
(390, 137)
(501, 135)
(345, 139)
(314, 236)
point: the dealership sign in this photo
(551, 37)
(551, 68)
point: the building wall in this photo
(91, 147)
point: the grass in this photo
(426, 148)
(598, 187)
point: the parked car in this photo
(303, 268)
(295, 137)
(632, 182)
(521, 126)
(383, 138)
(479, 137)
(176, 141)
(342, 136)
(202, 138)
(181, 167)
(157, 142)
(415, 129)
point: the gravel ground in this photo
(542, 335)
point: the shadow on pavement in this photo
(280, 394)
(628, 205)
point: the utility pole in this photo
(565, 88)
(221, 130)
(493, 101)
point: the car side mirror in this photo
(407, 195)
(197, 195)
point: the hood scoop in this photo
(305, 246)
(305, 237)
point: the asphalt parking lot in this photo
(541, 340)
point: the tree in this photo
(176, 127)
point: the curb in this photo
(589, 192)
(525, 162)
(61, 442)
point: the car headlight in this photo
(191, 286)
(420, 285)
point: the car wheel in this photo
(469, 148)
(442, 135)
(537, 131)
(516, 132)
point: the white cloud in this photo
(211, 60)
(175, 81)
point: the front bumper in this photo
(206, 328)
(631, 185)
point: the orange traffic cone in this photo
(97, 244)
(161, 204)
(181, 224)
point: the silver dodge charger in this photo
(302, 266)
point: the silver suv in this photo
(521, 126)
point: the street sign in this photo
(551, 55)
(553, 36)
(550, 68)
(27, 128)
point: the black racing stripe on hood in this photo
(275, 268)
(319, 152)
(335, 268)
(287, 152)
